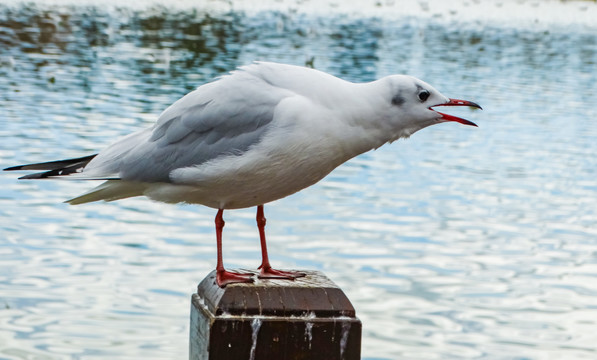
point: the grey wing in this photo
(225, 117)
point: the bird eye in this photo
(424, 95)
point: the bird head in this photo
(413, 102)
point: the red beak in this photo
(456, 102)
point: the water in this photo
(473, 243)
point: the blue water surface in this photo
(458, 243)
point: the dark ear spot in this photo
(398, 99)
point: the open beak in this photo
(456, 102)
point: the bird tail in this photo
(54, 168)
(113, 189)
(109, 191)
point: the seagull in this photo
(257, 134)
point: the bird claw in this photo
(224, 277)
(270, 273)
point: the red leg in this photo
(266, 269)
(224, 277)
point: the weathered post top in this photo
(314, 293)
(308, 318)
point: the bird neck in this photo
(366, 119)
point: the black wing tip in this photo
(53, 168)
(33, 176)
(53, 165)
(12, 168)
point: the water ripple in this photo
(456, 243)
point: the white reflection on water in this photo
(456, 243)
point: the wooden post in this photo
(308, 318)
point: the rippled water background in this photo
(472, 243)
